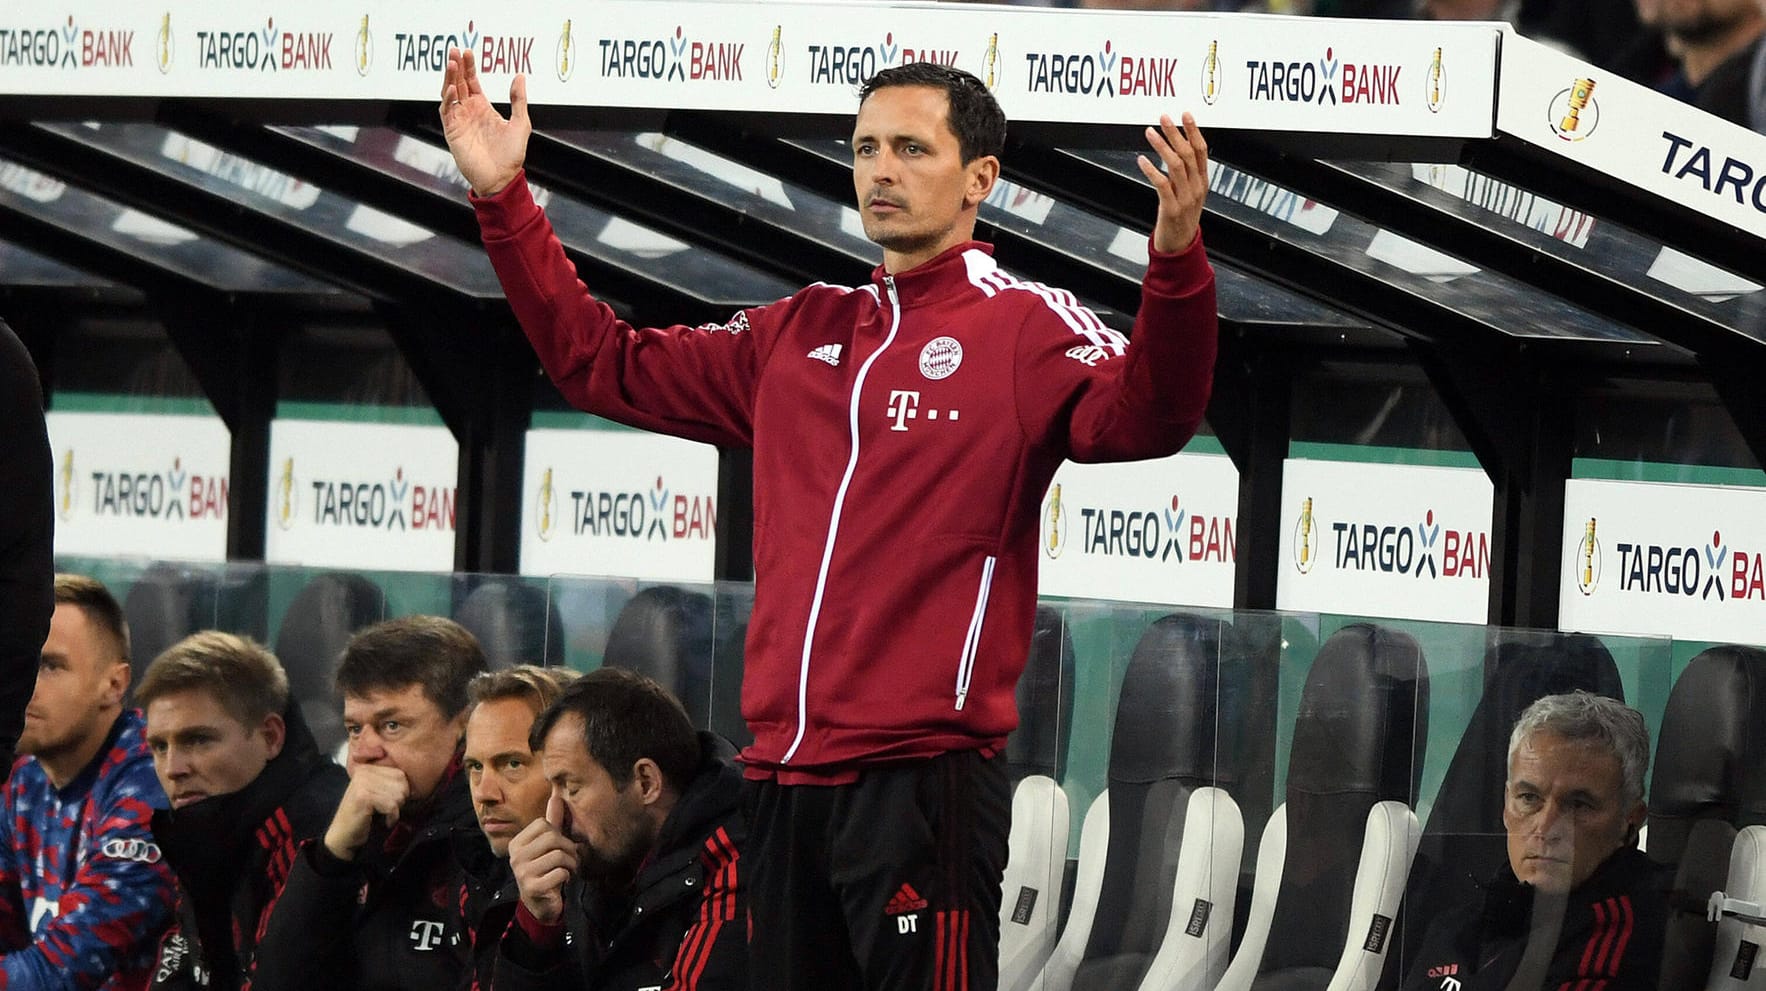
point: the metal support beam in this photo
(492, 450)
(447, 213)
(1735, 375)
(73, 248)
(325, 169)
(232, 349)
(1535, 552)
(1602, 195)
(735, 516)
(1122, 199)
(688, 215)
(480, 379)
(1461, 230)
(251, 230)
(1250, 413)
(249, 491)
(1517, 414)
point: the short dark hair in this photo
(100, 606)
(438, 654)
(975, 116)
(626, 717)
(236, 671)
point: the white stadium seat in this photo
(1193, 955)
(1735, 965)
(1271, 854)
(1031, 889)
(1387, 848)
(1088, 884)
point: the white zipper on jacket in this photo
(815, 605)
(966, 664)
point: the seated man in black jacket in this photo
(638, 859)
(375, 904)
(508, 791)
(247, 785)
(1578, 905)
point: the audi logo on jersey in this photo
(137, 850)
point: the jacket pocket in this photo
(972, 643)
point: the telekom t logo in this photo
(904, 406)
(426, 934)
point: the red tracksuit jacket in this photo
(904, 433)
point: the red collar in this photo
(933, 280)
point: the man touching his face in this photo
(643, 833)
(375, 902)
(508, 791)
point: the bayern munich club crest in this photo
(940, 358)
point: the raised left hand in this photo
(1182, 184)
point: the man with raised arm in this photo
(904, 432)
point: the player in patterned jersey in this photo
(84, 891)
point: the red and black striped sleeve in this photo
(713, 955)
(1603, 963)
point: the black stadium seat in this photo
(513, 623)
(166, 604)
(1709, 782)
(726, 687)
(1340, 847)
(1045, 702)
(170, 601)
(1036, 761)
(665, 632)
(1162, 753)
(315, 629)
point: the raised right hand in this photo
(487, 148)
(544, 858)
(374, 789)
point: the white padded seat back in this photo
(1088, 883)
(1387, 849)
(1036, 861)
(1737, 963)
(1193, 954)
(1272, 853)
